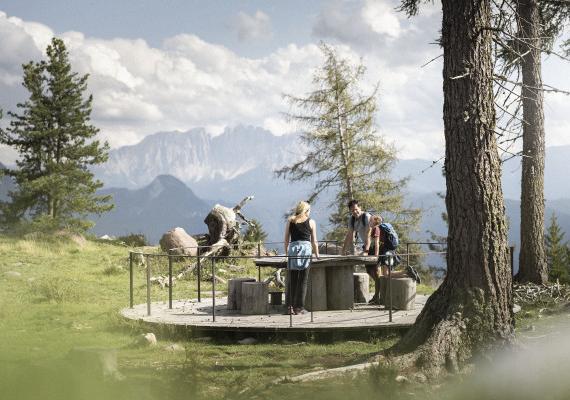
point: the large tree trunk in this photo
(471, 311)
(532, 260)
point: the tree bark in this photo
(472, 309)
(532, 258)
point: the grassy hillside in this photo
(62, 295)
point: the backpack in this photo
(365, 219)
(390, 235)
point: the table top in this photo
(325, 260)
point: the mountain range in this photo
(173, 178)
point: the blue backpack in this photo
(391, 236)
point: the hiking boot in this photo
(412, 273)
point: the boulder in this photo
(181, 242)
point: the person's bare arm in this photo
(314, 241)
(286, 240)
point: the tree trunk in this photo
(472, 309)
(532, 259)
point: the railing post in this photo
(131, 294)
(148, 285)
(258, 267)
(169, 281)
(199, 275)
(408, 254)
(213, 291)
(390, 291)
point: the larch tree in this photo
(471, 311)
(539, 24)
(56, 145)
(344, 153)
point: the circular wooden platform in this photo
(198, 317)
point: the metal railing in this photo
(148, 257)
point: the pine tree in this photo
(557, 253)
(56, 145)
(344, 152)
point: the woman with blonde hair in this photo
(300, 244)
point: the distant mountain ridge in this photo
(196, 156)
(152, 210)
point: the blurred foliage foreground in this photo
(61, 338)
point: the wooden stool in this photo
(361, 287)
(340, 288)
(254, 298)
(234, 292)
(403, 293)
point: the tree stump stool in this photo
(340, 288)
(254, 298)
(234, 292)
(361, 287)
(316, 298)
(403, 293)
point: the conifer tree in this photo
(557, 253)
(56, 145)
(344, 152)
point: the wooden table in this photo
(331, 282)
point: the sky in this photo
(168, 65)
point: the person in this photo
(300, 245)
(383, 249)
(375, 242)
(358, 228)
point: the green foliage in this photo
(134, 240)
(254, 232)
(557, 253)
(56, 146)
(344, 152)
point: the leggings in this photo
(296, 287)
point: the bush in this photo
(134, 240)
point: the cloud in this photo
(252, 27)
(188, 82)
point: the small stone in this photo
(13, 274)
(248, 340)
(147, 339)
(401, 379)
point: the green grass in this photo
(57, 295)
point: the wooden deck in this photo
(198, 316)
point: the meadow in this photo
(59, 304)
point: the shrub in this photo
(134, 240)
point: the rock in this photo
(174, 347)
(181, 242)
(419, 377)
(248, 340)
(401, 379)
(13, 274)
(107, 237)
(146, 339)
